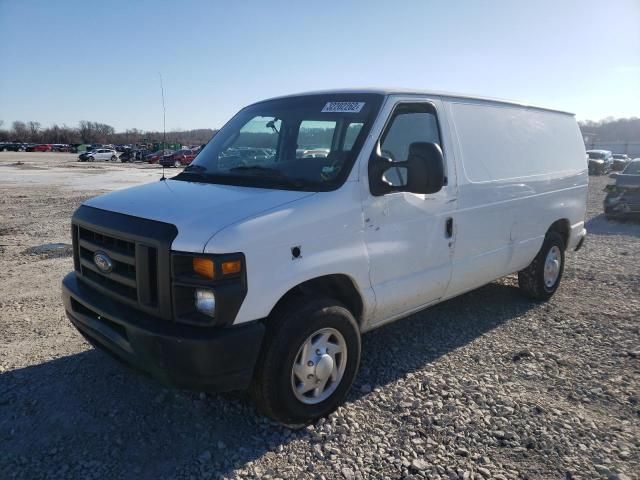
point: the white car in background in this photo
(102, 154)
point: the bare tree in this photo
(34, 131)
(20, 130)
(87, 132)
(96, 132)
(4, 134)
(611, 129)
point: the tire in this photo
(290, 328)
(177, 163)
(113, 158)
(533, 280)
(90, 159)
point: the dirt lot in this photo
(485, 386)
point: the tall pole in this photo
(164, 125)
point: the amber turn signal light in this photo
(229, 268)
(204, 267)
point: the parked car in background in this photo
(60, 147)
(156, 156)
(313, 153)
(13, 147)
(84, 156)
(128, 155)
(620, 161)
(623, 196)
(179, 158)
(99, 154)
(141, 153)
(600, 161)
(42, 147)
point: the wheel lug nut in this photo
(318, 352)
(310, 363)
(310, 376)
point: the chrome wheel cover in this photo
(319, 366)
(552, 266)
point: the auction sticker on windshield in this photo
(343, 107)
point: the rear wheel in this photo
(114, 158)
(541, 278)
(176, 163)
(308, 362)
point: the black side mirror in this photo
(424, 170)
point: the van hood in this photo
(198, 210)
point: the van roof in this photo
(401, 91)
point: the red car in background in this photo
(181, 157)
(39, 148)
(156, 156)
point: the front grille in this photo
(140, 253)
(134, 272)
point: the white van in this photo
(262, 272)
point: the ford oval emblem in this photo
(103, 262)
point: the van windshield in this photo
(308, 143)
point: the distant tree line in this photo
(609, 129)
(95, 132)
(612, 129)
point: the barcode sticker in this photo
(343, 107)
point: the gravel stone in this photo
(419, 464)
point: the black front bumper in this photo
(211, 359)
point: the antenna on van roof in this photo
(164, 127)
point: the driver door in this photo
(409, 237)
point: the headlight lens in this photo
(205, 301)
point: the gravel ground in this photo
(485, 386)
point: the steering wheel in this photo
(335, 169)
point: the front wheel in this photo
(541, 278)
(308, 362)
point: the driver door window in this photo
(410, 122)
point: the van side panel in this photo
(520, 170)
(328, 228)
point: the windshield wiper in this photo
(194, 168)
(256, 168)
(272, 173)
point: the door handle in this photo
(448, 228)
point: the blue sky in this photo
(65, 61)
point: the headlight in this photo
(205, 301)
(207, 289)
